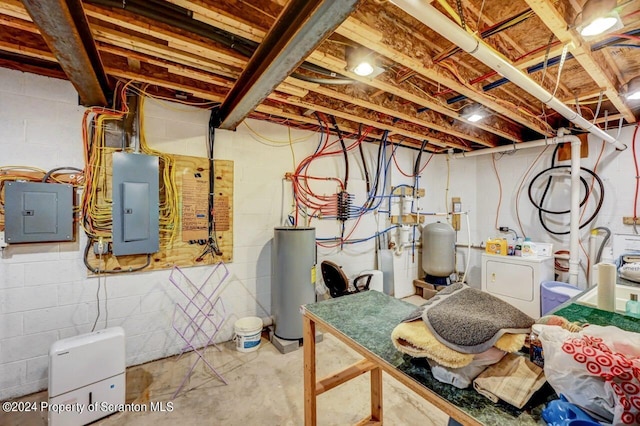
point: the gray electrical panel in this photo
(38, 212)
(135, 204)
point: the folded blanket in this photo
(415, 339)
(471, 321)
(462, 377)
(514, 380)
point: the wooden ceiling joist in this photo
(237, 26)
(582, 53)
(359, 32)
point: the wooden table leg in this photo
(309, 347)
(376, 394)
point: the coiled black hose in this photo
(541, 210)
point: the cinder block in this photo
(11, 325)
(37, 369)
(55, 318)
(50, 88)
(12, 374)
(41, 273)
(12, 81)
(24, 347)
(119, 307)
(11, 275)
(27, 298)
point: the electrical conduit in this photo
(433, 18)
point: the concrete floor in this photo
(265, 388)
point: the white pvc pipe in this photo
(432, 17)
(574, 225)
(574, 221)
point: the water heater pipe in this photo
(574, 224)
(433, 18)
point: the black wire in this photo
(85, 259)
(46, 177)
(584, 200)
(364, 162)
(212, 238)
(344, 151)
(374, 192)
(416, 166)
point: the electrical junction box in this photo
(86, 377)
(135, 188)
(38, 212)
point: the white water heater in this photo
(438, 252)
(86, 377)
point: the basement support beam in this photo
(299, 29)
(65, 29)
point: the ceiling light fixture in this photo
(633, 89)
(598, 17)
(474, 113)
(362, 62)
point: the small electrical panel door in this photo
(135, 204)
(38, 212)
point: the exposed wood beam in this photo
(14, 8)
(212, 13)
(218, 12)
(409, 93)
(64, 27)
(410, 115)
(596, 68)
(175, 38)
(512, 44)
(299, 29)
(361, 33)
(368, 122)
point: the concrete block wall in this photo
(45, 294)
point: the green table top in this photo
(368, 319)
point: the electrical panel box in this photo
(38, 212)
(135, 204)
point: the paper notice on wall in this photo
(195, 203)
(625, 243)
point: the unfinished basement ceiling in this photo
(198, 49)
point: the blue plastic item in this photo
(561, 412)
(555, 293)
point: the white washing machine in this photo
(517, 280)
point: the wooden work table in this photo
(364, 322)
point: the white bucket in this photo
(248, 331)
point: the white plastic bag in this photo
(597, 369)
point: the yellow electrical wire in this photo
(286, 142)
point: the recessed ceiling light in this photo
(362, 62)
(363, 68)
(633, 89)
(475, 117)
(598, 17)
(598, 26)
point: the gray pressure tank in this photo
(438, 249)
(293, 280)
